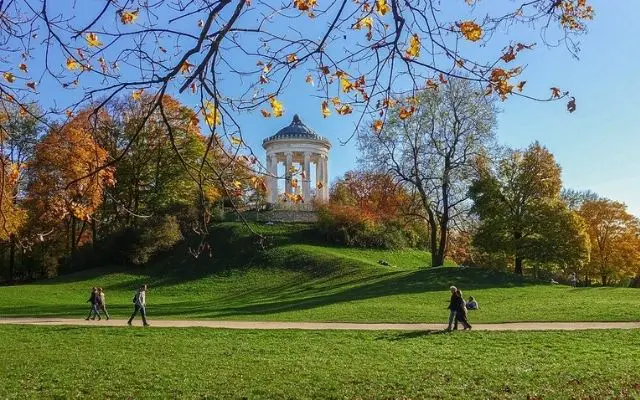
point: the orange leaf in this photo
(555, 93)
(291, 58)
(309, 80)
(470, 30)
(521, 85)
(406, 112)
(443, 80)
(265, 113)
(325, 109)
(344, 110)
(377, 125)
(128, 17)
(23, 67)
(31, 85)
(186, 66)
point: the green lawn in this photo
(298, 279)
(66, 362)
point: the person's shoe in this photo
(93, 319)
(108, 318)
(86, 319)
(129, 323)
(146, 325)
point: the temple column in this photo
(318, 178)
(287, 172)
(325, 178)
(306, 182)
(272, 170)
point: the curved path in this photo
(162, 323)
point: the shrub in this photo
(158, 235)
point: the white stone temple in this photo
(299, 157)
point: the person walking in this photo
(574, 279)
(102, 303)
(452, 306)
(93, 299)
(461, 312)
(139, 304)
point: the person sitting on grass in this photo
(93, 299)
(472, 304)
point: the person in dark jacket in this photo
(94, 299)
(452, 306)
(461, 312)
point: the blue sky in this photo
(597, 146)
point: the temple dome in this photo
(296, 130)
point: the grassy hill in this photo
(298, 278)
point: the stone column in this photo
(306, 182)
(318, 177)
(325, 178)
(272, 169)
(287, 172)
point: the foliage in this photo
(367, 209)
(614, 235)
(431, 149)
(159, 234)
(521, 213)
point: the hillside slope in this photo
(296, 278)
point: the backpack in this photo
(135, 298)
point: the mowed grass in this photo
(298, 279)
(75, 362)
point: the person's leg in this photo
(143, 313)
(104, 310)
(135, 311)
(97, 307)
(452, 317)
(90, 312)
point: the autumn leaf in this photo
(291, 58)
(200, 23)
(263, 79)
(69, 113)
(443, 80)
(128, 17)
(92, 40)
(294, 183)
(377, 125)
(236, 141)
(521, 86)
(346, 85)
(344, 109)
(336, 101)
(211, 114)
(470, 30)
(276, 106)
(414, 46)
(382, 7)
(304, 5)
(236, 184)
(406, 112)
(31, 85)
(309, 80)
(388, 102)
(509, 55)
(325, 70)
(137, 94)
(319, 185)
(194, 87)
(9, 77)
(571, 105)
(325, 109)
(432, 85)
(555, 93)
(23, 67)
(265, 113)
(186, 66)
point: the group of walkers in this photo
(98, 305)
(458, 309)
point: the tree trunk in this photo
(604, 280)
(518, 267)
(12, 259)
(74, 246)
(94, 233)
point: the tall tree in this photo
(521, 213)
(63, 182)
(432, 151)
(615, 240)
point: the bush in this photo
(158, 235)
(345, 225)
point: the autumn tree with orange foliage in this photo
(63, 183)
(614, 235)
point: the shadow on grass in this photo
(394, 337)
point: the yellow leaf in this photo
(319, 185)
(92, 40)
(344, 110)
(406, 112)
(382, 7)
(265, 113)
(236, 141)
(137, 94)
(470, 30)
(325, 109)
(9, 77)
(23, 67)
(336, 101)
(388, 102)
(211, 114)
(414, 46)
(304, 5)
(346, 85)
(237, 184)
(276, 106)
(377, 125)
(128, 17)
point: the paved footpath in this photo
(164, 323)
